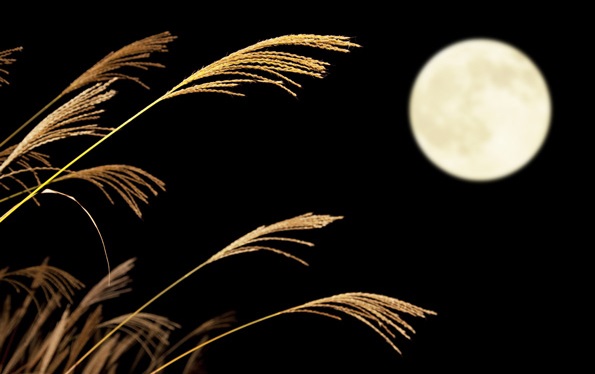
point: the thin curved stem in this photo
(170, 362)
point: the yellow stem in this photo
(217, 338)
(101, 140)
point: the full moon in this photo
(480, 110)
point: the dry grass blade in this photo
(11, 321)
(258, 64)
(26, 170)
(379, 312)
(19, 176)
(5, 319)
(125, 344)
(306, 221)
(194, 365)
(49, 279)
(150, 330)
(249, 65)
(29, 346)
(52, 342)
(127, 181)
(57, 125)
(105, 289)
(131, 183)
(77, 344)
(219, 322)
(5, 152)
(5, 59)
(50, 191)
(33, 344)
(249, 242)
(49, 343)
(100, 292)
(32, 156)
(133, 55)
(99, 360)
(225, 320)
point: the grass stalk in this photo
(260, 64)
(42, 110)
(132, 315)
(254, 322)
(19, 193)
(380, 313)
(77, 158)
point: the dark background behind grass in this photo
(497, 261)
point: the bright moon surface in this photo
(480, 110)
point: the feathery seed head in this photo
(134, 55)
(258, 64)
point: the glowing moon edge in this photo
(480, 109)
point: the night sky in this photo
(495, 260)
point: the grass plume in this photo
(134, 185)
(132, 56)
(252, 241)
(379, 312)
(135, 55)
(261, 63)
(81, 108)
(46, 326)
(241, 63)
(131, 183)
(244, 244)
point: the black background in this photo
(497, 261)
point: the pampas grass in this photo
(46, 326)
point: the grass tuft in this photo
(46, 325)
